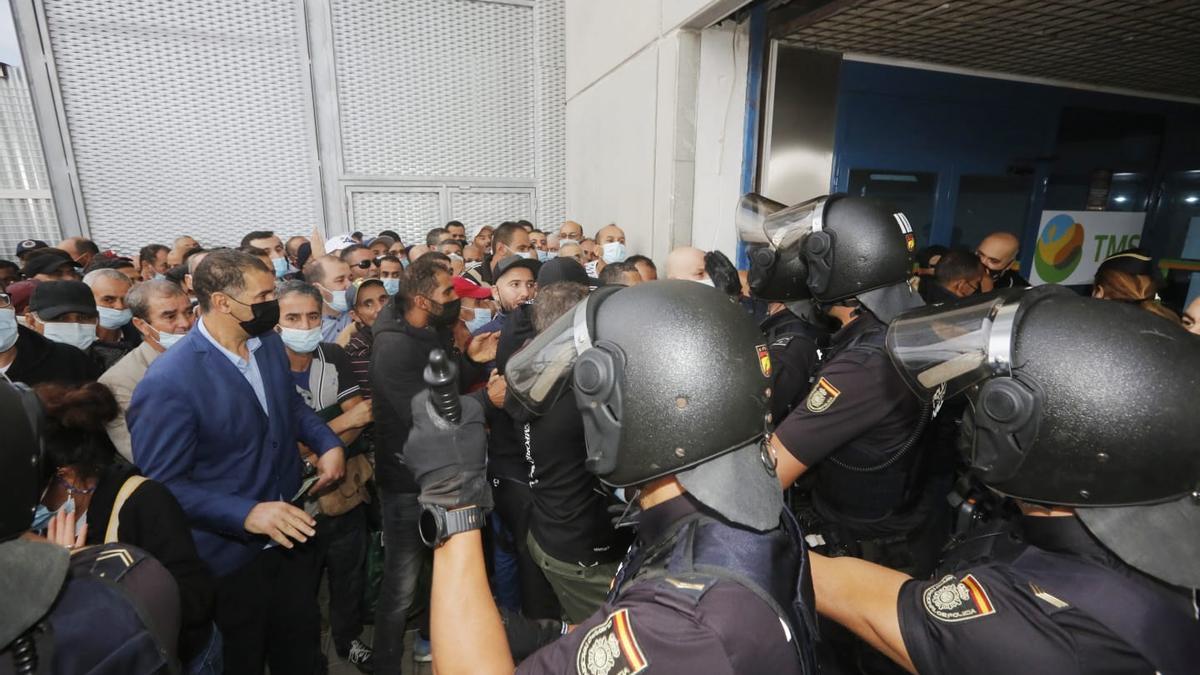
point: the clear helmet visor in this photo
(762, 221)
(956, 344)
(538, 374)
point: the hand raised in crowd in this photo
(359, 415)
(61, 531)
(482, 347)
(281, 521)
(497, 389)
(331, 467)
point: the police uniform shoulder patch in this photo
(764, 360)
(822, 396)
(610, 648)
(952, 600)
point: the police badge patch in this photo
(822, 396)
(953, 600)
(611, 649)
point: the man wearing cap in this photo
(162, 314)
(28, 245)
(515, 284)
(27, 356)
(367, 298)
(331, 276)
(50, 264)
(476, 303)
(59, 312)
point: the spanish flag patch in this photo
(953, 600)
(611, 648)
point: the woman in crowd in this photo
(1128, 276)
(90, 499)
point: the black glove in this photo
(449, 461)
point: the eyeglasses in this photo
(5, 301)
(365, 264)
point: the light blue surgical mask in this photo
(8, 328)
(338, 301)
(392, 286)
(301, 341)
(159, 277)
(614, 252)
(544, 256)
(528, 255)
(404, 263)
(482, 318)
(114, 318)
(281, 266)
(79, 335)
(42, 515)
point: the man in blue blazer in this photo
(217, 419)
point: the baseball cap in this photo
(474, 274)
(336, 244)
(565, 269)
(467, 288)
(30, 245)
(47, 261)
(52, 299)
(513, 262)
(359, 284)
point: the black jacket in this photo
(153, 521)
(41, 360)
(399, 355)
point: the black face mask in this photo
(444, 313)
(266, 315)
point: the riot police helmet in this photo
(1073, 402)
(672, 378)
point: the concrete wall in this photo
(655, 101)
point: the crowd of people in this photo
(253, 419)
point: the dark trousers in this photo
(267, 613)
(342, 552)
(403, 554)
(514, 500)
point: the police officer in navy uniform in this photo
(1084, 413)
(859, 428)
(795, 336)
(716, 581)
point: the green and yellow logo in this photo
(1059, 248)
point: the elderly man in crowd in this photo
(109, 288)
(162, 314)
(29, 357)
(217, 420)
(81, 249)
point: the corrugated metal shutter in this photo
(187, 117)
(26, 209)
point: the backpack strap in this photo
(114, 519)
(1134, 612)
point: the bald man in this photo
(572, 231)
(82, 249)
(687, 262)
(611, 240)
(997, 252)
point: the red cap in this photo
(469, 289)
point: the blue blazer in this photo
(197, 427)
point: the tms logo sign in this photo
(1059, 248)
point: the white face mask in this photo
(79, 335)
(707, 281)
(168, 340)
(528, 255)
(299, 340)
(566, 242)
(338, 300)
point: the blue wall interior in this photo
(920, 124)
